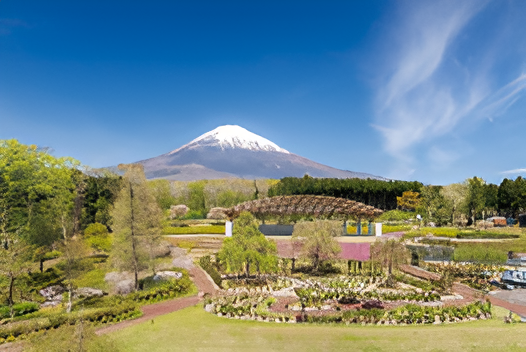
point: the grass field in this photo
(193, 329)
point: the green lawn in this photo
(193, 329)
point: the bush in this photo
(207, 266)
(37, 280)
(98, 238)
(101, 243)
(396, 215)
(96, 229)
(19, 309)
(195, 214)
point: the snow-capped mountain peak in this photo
(233, 136)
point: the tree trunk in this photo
(70, 299)
(293, 264)
(41, 265)
(247, 268)
(134, 249)
(10, 298)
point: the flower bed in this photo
(269, 282)
(350, 300)
(256, 307)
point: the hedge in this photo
(408, 314)
(207, 266)
(19, 309)
(53, 320)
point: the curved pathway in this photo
(204, 286)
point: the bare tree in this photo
(390, 254)
(317, 240)
(137, 223)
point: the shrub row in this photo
(19, 309)
(408, 314)
(164, 290)
(313, 297)
(53, 320)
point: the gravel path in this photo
(201, 280)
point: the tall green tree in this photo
(15, 259)
(476, 199)
(137, 223)
(512, 196)
(102, 188)
(248, 248)
(433, 206)
(456, 194)
(162, 193)
(33, 185)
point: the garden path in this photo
(150, 311)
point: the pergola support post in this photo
(359, 227)
(228, 228)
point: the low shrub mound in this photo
(19, 309)
(206, 263)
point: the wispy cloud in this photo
(430, 85)
(514, 172)
(7, 25)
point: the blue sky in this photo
(418, 90)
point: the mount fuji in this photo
(232, 151)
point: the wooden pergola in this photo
(317, 206)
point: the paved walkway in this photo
(201, 280)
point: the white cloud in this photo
(430, 84)
(514, 172)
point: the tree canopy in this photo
(248, 248)
(376, 193)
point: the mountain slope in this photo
(232, 151)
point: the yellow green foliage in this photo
(408, 201)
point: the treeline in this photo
(44, 198)
(379, 194)
(472, 200)
(203, 195)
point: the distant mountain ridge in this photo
(231, 151)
